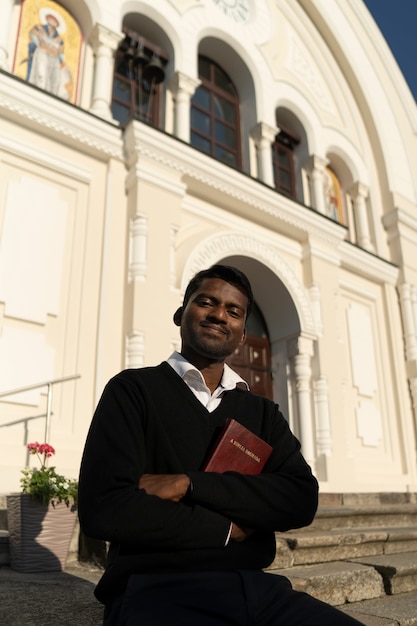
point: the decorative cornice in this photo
(250, 199)
(66, 123)
(368, 265)
(103, 36)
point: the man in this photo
(188, 547)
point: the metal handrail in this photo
(49, 384)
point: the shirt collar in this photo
(230, 379)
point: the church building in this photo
(144, 140)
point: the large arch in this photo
(263, 265)
(278, 293)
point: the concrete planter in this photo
(39, 534)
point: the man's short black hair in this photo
(225, 272)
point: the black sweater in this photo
(149, 421)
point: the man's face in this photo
(213, 321)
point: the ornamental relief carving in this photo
(218, 246)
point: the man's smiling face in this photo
(213, 321)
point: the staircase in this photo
(360, 554)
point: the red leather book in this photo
(237, 450)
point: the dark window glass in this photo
(200, 143)
(283, 162)
(201, 121)
(202, 98)
(225, 156)
(215, 115)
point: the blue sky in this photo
(397, 19)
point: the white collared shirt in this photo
(195, 381)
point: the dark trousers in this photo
(241, 598)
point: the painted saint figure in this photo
(46, 67)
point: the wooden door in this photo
(252, 361)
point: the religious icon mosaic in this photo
(48, 48)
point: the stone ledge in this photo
(336, 583)
(398, 571)
(399, 610)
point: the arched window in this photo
(333, 197)
(283, 162)
(138, 76)
(215, 115)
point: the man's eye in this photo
(235, 313)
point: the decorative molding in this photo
(367, 265)
(138, 248)
(181, 82)
(323, 430)
(135, 349)
(218, 246)
(248, 193)
(315, 299)
(103, 36)
(64, 122)
(300, 62)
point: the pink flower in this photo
(46, 449)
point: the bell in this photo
(154, 72)
(140, 57)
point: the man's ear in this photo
(178, 316)
(243, 339)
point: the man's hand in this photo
(165, 486)
(240, 534)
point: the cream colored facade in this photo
(101, 229)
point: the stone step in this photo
(336, 583)
(380, 515)
(398, 610)
(340, 582)
(398, 571)
(309, 546)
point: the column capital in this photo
(183, 82)
(103, 36)
(315, 163)
(359, 189)
(301, 345)
(262, 131)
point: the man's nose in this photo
(218, 313)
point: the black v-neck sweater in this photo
(149, 421)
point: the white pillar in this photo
(315, 166)
(414, 304)
(104, 42)
(323, 433)
(135, 349)
(302, 351)
(183, 88)
(5, 25)
(172, 245)
(359, 193)
(138, 248)
(408, 316)
(407, 295)
(264, 136)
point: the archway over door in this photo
(281, 322)
(282, 300)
